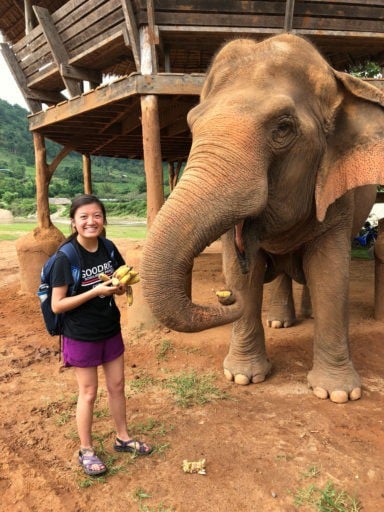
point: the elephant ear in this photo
(355, 147)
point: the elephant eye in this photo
(284, 131)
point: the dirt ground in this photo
(263, 444)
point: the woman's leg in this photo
(87, 381)
(115, 381)
(114, 376)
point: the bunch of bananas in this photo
(124, 275)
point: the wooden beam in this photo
(77, 73)
(288, 19)
(133, 32)
(43, 96)
(169, 84)
(152, 34)
(57, 48)
(28, 16)
(19, 77)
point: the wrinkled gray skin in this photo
(283, 150)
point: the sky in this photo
(9, 91)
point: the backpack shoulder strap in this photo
(73, 256)
(108, 244)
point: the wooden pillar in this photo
(87, 174)
(34, 248)
(152, 156)
(151, 134)
(42, 182)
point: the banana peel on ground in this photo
(194, 466)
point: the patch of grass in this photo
(63, 418)
(152, 425)
(88, 481)
(102, 413)
(16, 230)
(191, 389)
(328, 499)
(311, 472)
(157, 508)
(165, 348)
(138, 385)
(362, 253)
(140, 494)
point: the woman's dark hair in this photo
(86, 199)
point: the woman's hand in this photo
(106, 288)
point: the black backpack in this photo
(53, 321)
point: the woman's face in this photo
(89, 221)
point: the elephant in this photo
(285, 159)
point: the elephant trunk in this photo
(196, 214)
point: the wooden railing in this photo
(90, 34)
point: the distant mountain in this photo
(116, 178)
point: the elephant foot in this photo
(339, 388)
(246, 374)
(279, 324)
(280, 316)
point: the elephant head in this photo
(278, 136)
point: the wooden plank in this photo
(68, 71)
(152, 34)
(56, 46)
(98, 21)
(168, 84)
(270, 21)
(133, 31)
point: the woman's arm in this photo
(61, 303)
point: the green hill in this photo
(120, 180)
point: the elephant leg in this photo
(246, 361)
(281, 309)
(326, 265)
(305, 303)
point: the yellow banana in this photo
(135, 279)
(121, 271)
(104, 277)
(129, 293)
(125, 279)
(115, 281)
(223, 294)
(225, 297)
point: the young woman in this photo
(92, 332)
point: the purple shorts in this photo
(85, 354)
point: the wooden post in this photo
(34, 248)
(151, 135)
(152, 156)
(87, 174)
(42, 182)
